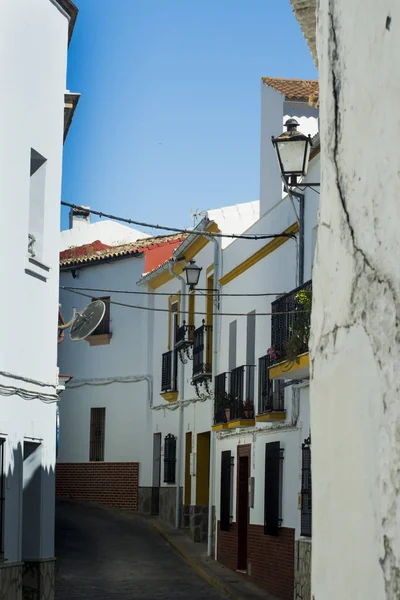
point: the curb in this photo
(216, 583)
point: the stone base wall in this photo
(144, 506)
(111, 484)
(302, 571)
(198, 523)
(11, 581)
(168, 504)
(38, 580)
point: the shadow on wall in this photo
(27, 499)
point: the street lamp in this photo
(192, 272)
(293, 151)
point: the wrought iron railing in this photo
(221, 399)
(287, 326)
(271, 393)
(184, 335)
(169, 369)
(241, 395)
(202, 351)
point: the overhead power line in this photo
(143, 293)
(266, 236)
(152, 309)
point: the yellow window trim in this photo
(289, 366)
(220, 426)
(173, 300)
(210, 269)
(277, 415)
(259, 255)
(195, 247)
(170, 396)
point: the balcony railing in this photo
(241, 395)
(184, 335)
(271, 394)
(290, 331)
(221, 399)
(202, 352)
(169, 371)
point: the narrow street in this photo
(103, 555)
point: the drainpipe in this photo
(217, 253)
(300, 220)
(181, 391)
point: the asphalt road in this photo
(104, 555)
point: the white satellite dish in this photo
(85, 322)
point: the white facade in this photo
(355, 409)
(33, 70)
(82, 232)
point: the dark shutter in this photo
(97, 433)
(306, 505)
(225, 507)
(272, 469)
(169, 458)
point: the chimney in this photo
(78, 217)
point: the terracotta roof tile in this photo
(97, 251)
(299, 89)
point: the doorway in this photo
(203, 468)
(155, 490)
(243, 505)
(32, 500)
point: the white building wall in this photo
(355, 411)
(109, 232)
(97, 370)
(33, 72)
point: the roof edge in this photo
(72, 11)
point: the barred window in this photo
(104, 325)
(169, 458)
(97, 433)
(306, 506)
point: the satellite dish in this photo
(86, 321)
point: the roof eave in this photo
(305, 12)
(179, 252)
(70, 103)
(72, 12)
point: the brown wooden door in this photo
(243, 511)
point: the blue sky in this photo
(169, 118)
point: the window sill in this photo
(170, 396)
(274, 415)
(36, 268)
(99, 340)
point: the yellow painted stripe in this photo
(287, 366)
(257, 256)
(210, 269)
(272, 416)
(220, 426)
(241, 423)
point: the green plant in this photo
(297, 343)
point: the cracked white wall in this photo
(355, 342)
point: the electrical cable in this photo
(209, 293)
(149, 309)
(179, 230)
(8, 390)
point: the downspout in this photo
(300, 220)
(214, 373)
(181, 392)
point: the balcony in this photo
(290, 331)
(202, 355)
(169, 372)
(236, 407)
(184, 342)
(271, 394)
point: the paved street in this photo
(104, 555)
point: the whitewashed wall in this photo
(109, 232)
(127, 404)
(355, 410)
(33, 54)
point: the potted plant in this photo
(297, 342)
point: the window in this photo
(306, 506)
(104, 325)
(2, 499)
(97, 433)
(271, 393)
(273, 488)
(169, 458)
(37, 193)
(226, 487)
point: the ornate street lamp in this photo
(293, 151)
(192, 272)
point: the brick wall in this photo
(271, 558)
(111, 484)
